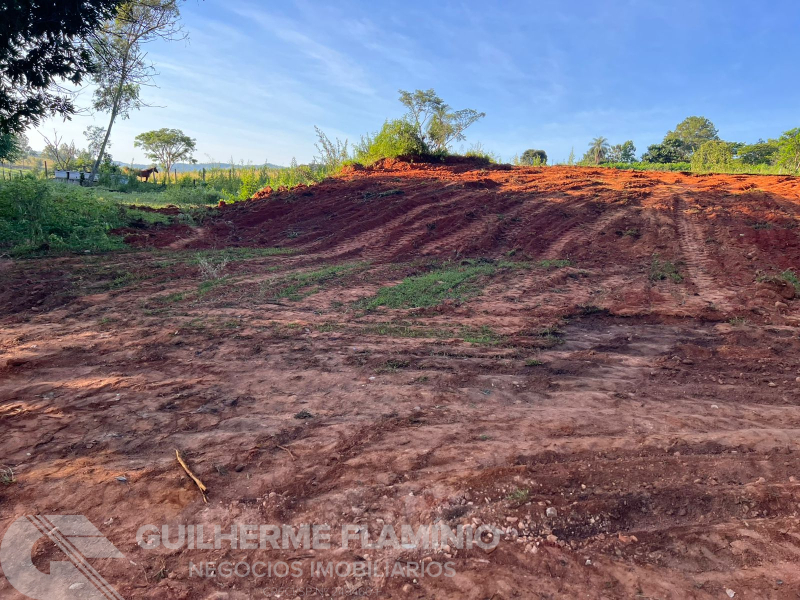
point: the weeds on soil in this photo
(430, 289)
(664, 269)
(7, 476)
(211, 268)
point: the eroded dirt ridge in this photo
(623, 349)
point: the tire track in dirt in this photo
(481, 227)
(375, 240)
(579, 233)
(698, 264)
(406, 241)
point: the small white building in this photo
(75, 177)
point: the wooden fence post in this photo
(46, 176)
(175, 172)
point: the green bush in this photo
(397, 138)
(533, 157)
(40, 217)
(715, 155)
(478, 151)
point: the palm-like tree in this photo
(598, 149)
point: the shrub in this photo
(478, 151)
(41, 217)
(533, 157)
(715, 155)
(397, 138)
(789, 150)
(669, 151)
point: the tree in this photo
(24, 146)
(670, 151)
(122, 66)
(83, 160)
(534, 157)
(43, 42)
(622, 153)
(95, 136)
(62, 155)
(789, 150)
(760, 153)
(693, 132)
(12, 147)
(714, 155)
(435, 123)
(598, 150)
(571, 158)
(166, 146)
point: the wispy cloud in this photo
(332, 66)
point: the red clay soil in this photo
(630, 359)
(397, 210)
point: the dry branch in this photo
(194, 477)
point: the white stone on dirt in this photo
(551, 512)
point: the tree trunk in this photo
(117, 98)
(100, 154)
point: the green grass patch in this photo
(791, 277)
(664, 269)
(297, 286)
(208, 285)
(394, 365)
(519, 496)
(558, 263)
(171, 298)
(430, 289)
(407, 331)
(483, 336)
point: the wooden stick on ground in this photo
(285, 449)
(194, 477)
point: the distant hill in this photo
(184, 167)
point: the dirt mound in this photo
(395, 210)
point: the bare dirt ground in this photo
(629, 355)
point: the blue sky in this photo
(255, 77)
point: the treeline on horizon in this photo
(695, 145)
